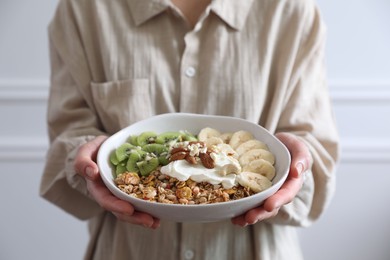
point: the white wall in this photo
(30, 227)
(356, 226)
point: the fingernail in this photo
(147, 225)
(90, 172)
(299, 168)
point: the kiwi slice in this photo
(167, 137)
(123, 151)
(113, 159)
(155, 149)
(134, 158)
(163, 159)
(187, 136)
(148, 165)
(158, 150)
(133, 140)
(120, 168)
(146, 138)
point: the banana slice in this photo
(240, 137)
(250, 145)
(227, 149)
(254, 181)
(262, 167)
(230, 169)
(214, 140)
(255, 154)
(233, 169)
(207, 133)
(226, 137)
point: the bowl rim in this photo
(110, 183)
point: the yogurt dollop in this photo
(224, 173)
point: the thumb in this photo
(85, 161)
(300, 153)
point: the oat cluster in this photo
(158, 187)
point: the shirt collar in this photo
(232, 12)
(143, 10)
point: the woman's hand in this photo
(300, 162)
(85, 166)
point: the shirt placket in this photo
(189, 73)
(191, 234)
(191, 242)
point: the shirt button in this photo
(189, 254)
(190, 72)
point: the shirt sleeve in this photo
(71, 120)
(308, 114)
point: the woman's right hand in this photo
(86, 166)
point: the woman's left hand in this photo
(300, 162)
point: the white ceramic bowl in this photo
(194, 123)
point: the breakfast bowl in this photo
(194, 123)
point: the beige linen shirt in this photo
(115, 62)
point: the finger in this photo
(259, 214)
(156, 223)
(84, 163)
(139, 218)
(284, 195)
(123, 210)
(239, 221)
(300, 153)
(107, 200)
(253, 216)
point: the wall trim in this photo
(357, 150)
(359, 91)
(340, 90)
(352, 151)
(23, 149)
(24, 89)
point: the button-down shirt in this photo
(115, 62)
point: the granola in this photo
(158, 187)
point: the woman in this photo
(115, 62)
